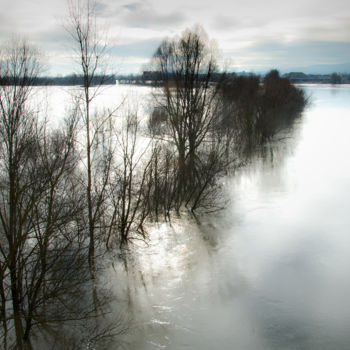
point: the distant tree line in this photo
(153, 78)
(334, 78)
(68, 80)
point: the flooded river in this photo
(272, 271)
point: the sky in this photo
(252, 35)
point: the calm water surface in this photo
(272, 271)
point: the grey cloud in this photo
(223, 22)
(141, 49)
(57, 39)
(299, 53)
(100, 8)
(232, 24)
(4, 21)
(227, 22)
(132, 6)
(312, 51)
(337, 29)
(144, 15)
(54, 36)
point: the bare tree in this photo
(20, 66)
(186, 67)
(90, 51)
(40, 248)
(161, 182)
(128, 186)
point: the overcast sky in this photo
(252, 35)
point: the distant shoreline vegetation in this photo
(151, 78)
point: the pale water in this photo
(272, 271)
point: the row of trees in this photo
(68, 196)
(208, 127)
(68, 80)
(258, 111)
(58, 203)
(42, 241)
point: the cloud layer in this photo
(252, 34)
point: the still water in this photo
(272, 271)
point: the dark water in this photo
(270, 272)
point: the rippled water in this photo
(270, 272)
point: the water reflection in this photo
(272, 271)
